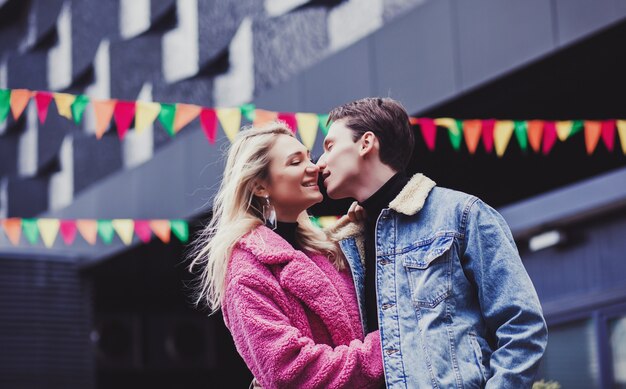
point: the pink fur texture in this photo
(295, 319)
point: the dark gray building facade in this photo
(118, 316)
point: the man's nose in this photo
(321, 163)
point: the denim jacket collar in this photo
(409, 201)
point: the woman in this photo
(285, 291)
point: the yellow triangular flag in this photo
(307, 126)
(146, 112)
(64, 104)
(621, 130)
(230, 118)
(449, 123)
(124, 228)
(502, 135)
(563, 129)
(48, 228)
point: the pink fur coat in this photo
(295, 319)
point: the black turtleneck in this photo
(288, 232)
(373, 206)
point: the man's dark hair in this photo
(388, 120)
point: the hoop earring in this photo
(269, 214)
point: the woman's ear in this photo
(260, 189)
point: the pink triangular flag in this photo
(68, 231)
(608, 133)
(208, 120)
(549, 136)
(143, 231)
(290, 119)
(487, 134)
(429, 132)
(123, 114)
(43, 100)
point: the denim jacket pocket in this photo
(428, 267)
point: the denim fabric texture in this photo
(456, 307)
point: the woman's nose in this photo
(312, 168)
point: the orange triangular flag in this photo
(19, 101)
(13, 229)
(88, 228)
(621, 130)
(535, 134)
(592, 135)
(262, 116)
(161, 229)
(104, 112)
(185, 113)
(471, 131)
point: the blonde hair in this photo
(236, 211)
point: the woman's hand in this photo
(356, 213)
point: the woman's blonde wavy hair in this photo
(236, 211)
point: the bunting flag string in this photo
(48, 229)
(539, 136)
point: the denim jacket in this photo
(456, 308)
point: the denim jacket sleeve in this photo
(507, 297)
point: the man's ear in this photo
(368, 143)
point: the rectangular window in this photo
(571, 357)
(617, 340)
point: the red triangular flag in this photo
(43, 100)
(123, 114)
(143, 231)
(68, 231)
(208, 120)
(608, 133)
(290, 119)
(549, 136)
(487, 134)
(429, 132)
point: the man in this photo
(436, 270)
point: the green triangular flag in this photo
(315, 221)
(455, 135)
(106, 231)
(323, 120)
(577, 126)
(248, 111)
(180, 229)
(78, 107)
(521, 133)
(31, 231)
(5, 103)
(166, 117)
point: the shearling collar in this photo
(409, 201)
